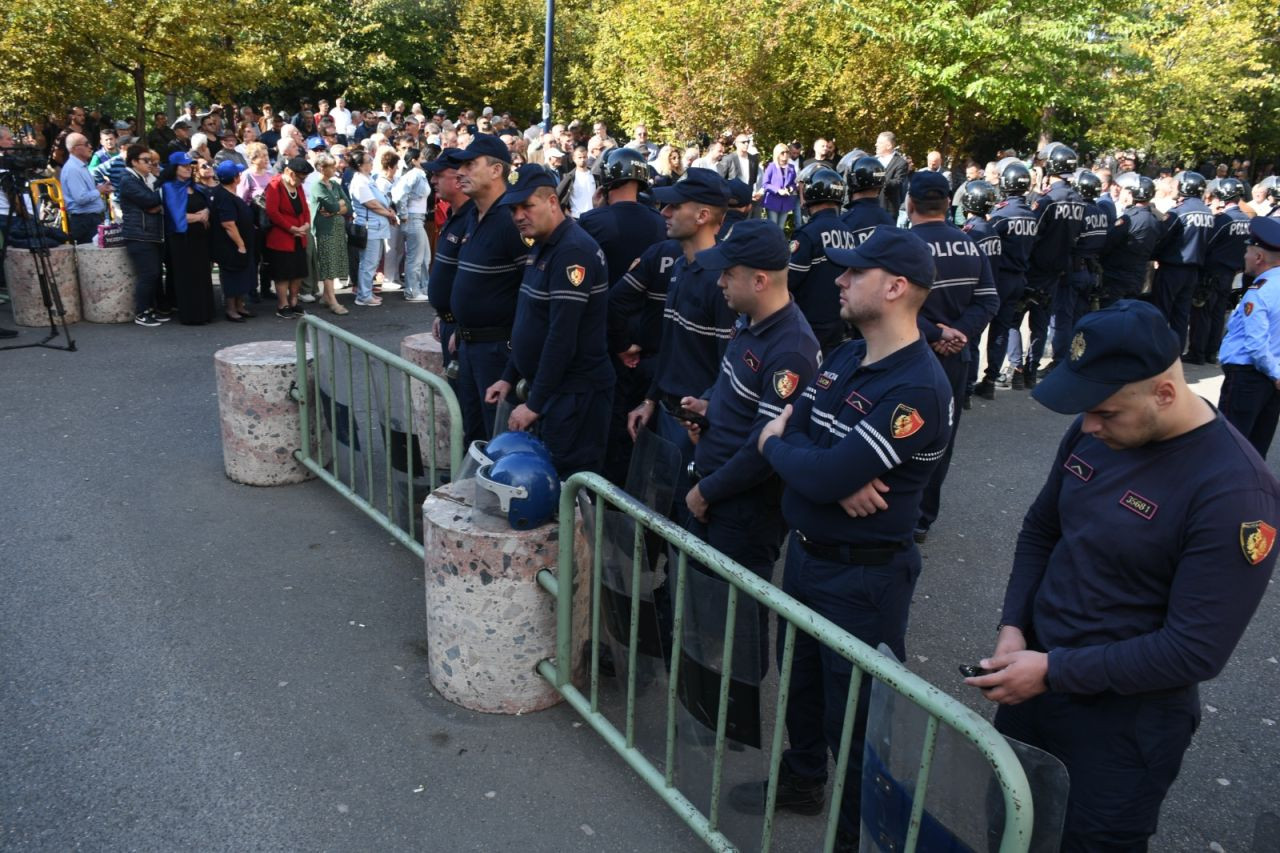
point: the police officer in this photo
(1130, 239)
(1180, 252)
(1015, 224)
(443, 172)
(1250, 353)
(864, 178)
(1059, 212)
(491, 260)
(809, 275)
(1136, 571)
(1086, 271)
(875, 417)
(1223, 261)
(961, 303)
(558, 340)
(977, 199)
(739, 208)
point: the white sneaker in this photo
(306, 297)
(416, 297)
(371, 302)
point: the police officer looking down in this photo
(855, 452)
(1130, 239)
(1180, 252)
(558, 342)
(810, 275)
(1136, 571)
(1250, 354)
(1223, 261)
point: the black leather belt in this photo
(446, 317)
(865, 556)
(485, 334)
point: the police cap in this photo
(1126, 342)
(447, 160)
(484, 145)
(1264, 231)
(704, 186)
(523, 181)
(897, 251)
(926, 185)
(755, 243)
(739, 192)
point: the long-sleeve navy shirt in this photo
(1185, 234)
(812, 278)
(696, 327)
(1059, 216)
(1130, 241)
(491, 262)
(1225, 251)
(865, 215)
(963, 295)
(637, 298)
(444, 266)
(623, 230)
(1137, 570)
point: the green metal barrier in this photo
(408, 450)
(941, 708)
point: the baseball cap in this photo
(755, 243)
(181, 158)
(1264, 231)
(704, 186)
(1125, 342)
(484, 145)
(182, 123)
(523, 181)
(553, 152)
(739, 192)
(927, 185)
(228, 169)
(894, 250)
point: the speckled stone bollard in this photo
(260, 421)
(24, 286)
(489, 623)
(107, 284)
(424, 350)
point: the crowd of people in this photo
(804, 330)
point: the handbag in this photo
(357, 235)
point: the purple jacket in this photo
(778, 179)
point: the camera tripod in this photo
(15, 187)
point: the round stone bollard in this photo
(424, 350)
(489, 623)
(24, 285)
(260, 421)
(107, 284)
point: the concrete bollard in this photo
(107, 284)
(424, 350)
(260, 421)
(489, 623)
(24, 285)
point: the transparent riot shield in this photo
(339, 383)
(503, 415)
(410, 480)
(651, 480)
(963, 808)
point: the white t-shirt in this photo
(584, 190)
(341, 120)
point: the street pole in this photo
(549, 40)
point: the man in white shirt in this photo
(341, 117)
(583, 187)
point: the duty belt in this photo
(485, 334)
(866, 556)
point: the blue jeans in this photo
(417, 254)
(369, 257)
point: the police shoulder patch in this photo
(576, 273)
(795, 244)
(785, 383)
(1256, 540)
(905, 421)
(1248, 308)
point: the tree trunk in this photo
(171, 106)
(1046, 127)
(139, 75)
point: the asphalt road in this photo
(190, 664)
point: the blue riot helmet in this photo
(526, 487)
(504, 444)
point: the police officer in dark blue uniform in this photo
(1086, 272)
(811, 278)
(739, 208)
(1015, 224)
(1136, 571)
(961, 303)
(443, 172)
(1250, 352)
(876, 416)
(1180, 252)
(1223, 261)
(977, 200)
(491, 260)
(1130, 239)
(1059, 212)
(864, 179)
(558, 342)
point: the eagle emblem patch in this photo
(1256, 539)
(514, 177)
(1077, 346)
(905, 422)
(577, 274)
(785, 383)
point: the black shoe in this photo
(967, 402)
(146, 318)
(847, 842)
(795, 794)
(986, 389)
(1018, 382)
(920, 535)
(248, 314)
(1029, 379)
(285, 313)
(8, 333)
(233, 318)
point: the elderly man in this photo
(84, 199)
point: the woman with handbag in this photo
(253, 183)
(287, 238)
(329, 209)
(370, 226)
(231, 243)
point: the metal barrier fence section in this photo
(658, 751)
(369, 426)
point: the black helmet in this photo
(1272, 185)
(1059, 159)
(1190, 184)
(977, 198)
(1140, 187)
(821, 184)
(1015, 177)
(865, 173)
(625, 164)
(1228, 189)
(1088, 184)
(847, 161)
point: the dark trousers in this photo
(1038, 314)
(1250, 401)
(870, 602)
(1122, 754)
(631, 385)
(83, 227)
(1070, 303)
(145, 258)
(573, 426)
(1006, 320)
(479, 366)
(930, 503)
(446, 357)
(1171, 293)
(1207, 320)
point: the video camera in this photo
(23, 160)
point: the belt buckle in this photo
(692, 472)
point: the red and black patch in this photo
(1256, 540)
(905, 422)
(1248, 308)
(785, 383)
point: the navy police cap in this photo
(1264, 231)
(739, 192)
(1125, 342)
(523, 181)
(484, 145)
(926, 185)
(755, 243)
(894, 250)
(705, 186)
(447, 160)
